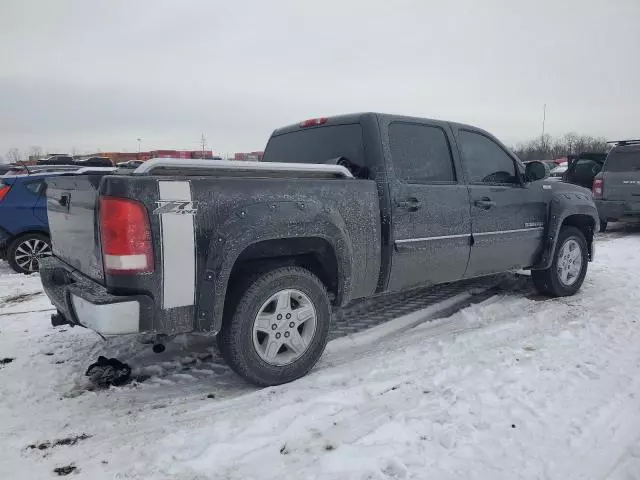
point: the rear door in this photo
(507, 215)
(37, 188)
(622, 176)
(431, 225)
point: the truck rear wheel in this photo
(569, 267)
(278, 328)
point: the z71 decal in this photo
(176, 207)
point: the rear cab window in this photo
(317, 145)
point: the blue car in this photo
(24, 229)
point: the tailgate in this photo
(71, 206)
(622, 176)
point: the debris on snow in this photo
(108, 371)
(68, 441)
(66, 470)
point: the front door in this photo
(508, 216)
(430, 211)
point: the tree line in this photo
(547, 147)
(544, 147)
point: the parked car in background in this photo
(57, 159)
(339, 208)
(130, 164)
(583, 168)
(616, 188)
(557, 173)
(24, 230)
(94, 162)
(4, 168)
(24, 226)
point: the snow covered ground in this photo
(514, 387)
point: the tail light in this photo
(598, 185)
(125, 236)
(4, 189)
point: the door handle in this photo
(412, 204)
(484, 203)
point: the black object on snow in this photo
(66, 470)
(108, 371)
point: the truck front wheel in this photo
(567, 271)
(278, 328)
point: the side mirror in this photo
(536, 171)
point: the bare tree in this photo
(547, 148)
(14, 155)
(35, 152)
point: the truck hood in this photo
(559, 186)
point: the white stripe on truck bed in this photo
(178, 248)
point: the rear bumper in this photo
(611, 210)
(86, 303)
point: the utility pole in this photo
(203, 142)
(544, 119)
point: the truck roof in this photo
(352, 118)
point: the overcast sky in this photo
(89, 74)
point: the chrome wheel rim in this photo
(569, 262)
(284, 327)
(29, 253)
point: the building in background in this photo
(118, 157)
(249, 156)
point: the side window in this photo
(420, 153)
(34, 187)
(485, 160)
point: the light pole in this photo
(203, 142)
(139, 142)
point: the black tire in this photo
(235, 339)
(548, 281)
(12, 252)
(603, 226)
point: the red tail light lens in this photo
(598, 185)
(4, 189)
(126, 236)
(313, 122)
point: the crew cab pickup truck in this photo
(340, 208)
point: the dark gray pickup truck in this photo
(340, 208)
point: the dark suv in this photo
(616, 189)
(583, 168)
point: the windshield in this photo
(317, 145)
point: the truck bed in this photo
(230, 214)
